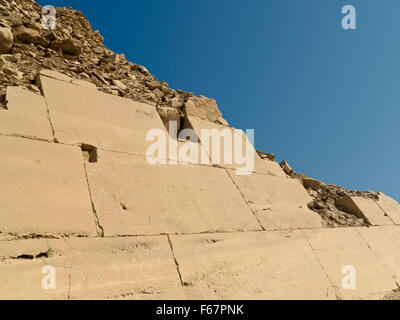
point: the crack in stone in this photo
(100, 229)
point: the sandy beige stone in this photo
(260, 166)
(82, 115)
(390, 206)
(128, 268)
(43, 190)
(279, 203)
(133, 197)
(55, 75)
(202, 107)
(365, 208)
(384, 248)
(393, 232)
(26, 115)
(21, 276)
(125, 268)
(337, 248)
(255, 265)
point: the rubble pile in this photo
(76, 50)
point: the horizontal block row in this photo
(313, 264)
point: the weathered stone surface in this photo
(55, 75)
(259, 265)
(223, 122)
(286, 167)
(132, 197)
(120, 85)
(384, 248)
(21, 277)
(82, 115)
(365, 208)
(44, 189)
(337, 248)
(68, 46)
(393, 232)
(390, 207)
(26, 115)
(62, 77)
(325, 203)
(312, 183)
(259, 165)
(279, 203)
(129, 268)
(77, 50)
(169, 114)
(26, 35)
(6, 40)
(203, 108)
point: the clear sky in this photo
(323, 98)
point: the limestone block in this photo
(254, 265)
(312, 183)
(340, 248)
(393, 232)
(21, 277)
(129, 268)
(202, 107)
(365, 208)
(133, 197)
(82, 115)
(390, 206)
(279, 203)
(384, 248)
(260, 166)
(6, 40)
(43, 189)
(26, 115)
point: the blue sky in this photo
(325, 99)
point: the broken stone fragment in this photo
(177, 101)
(169, 114)
(203, 108)
(153, 85)
(11, 20)
(13, 73)
(266, 156)
(68, 46)
(286, 167)
(223, 122)
(6, 40)
(26, 35)
(312, 183)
